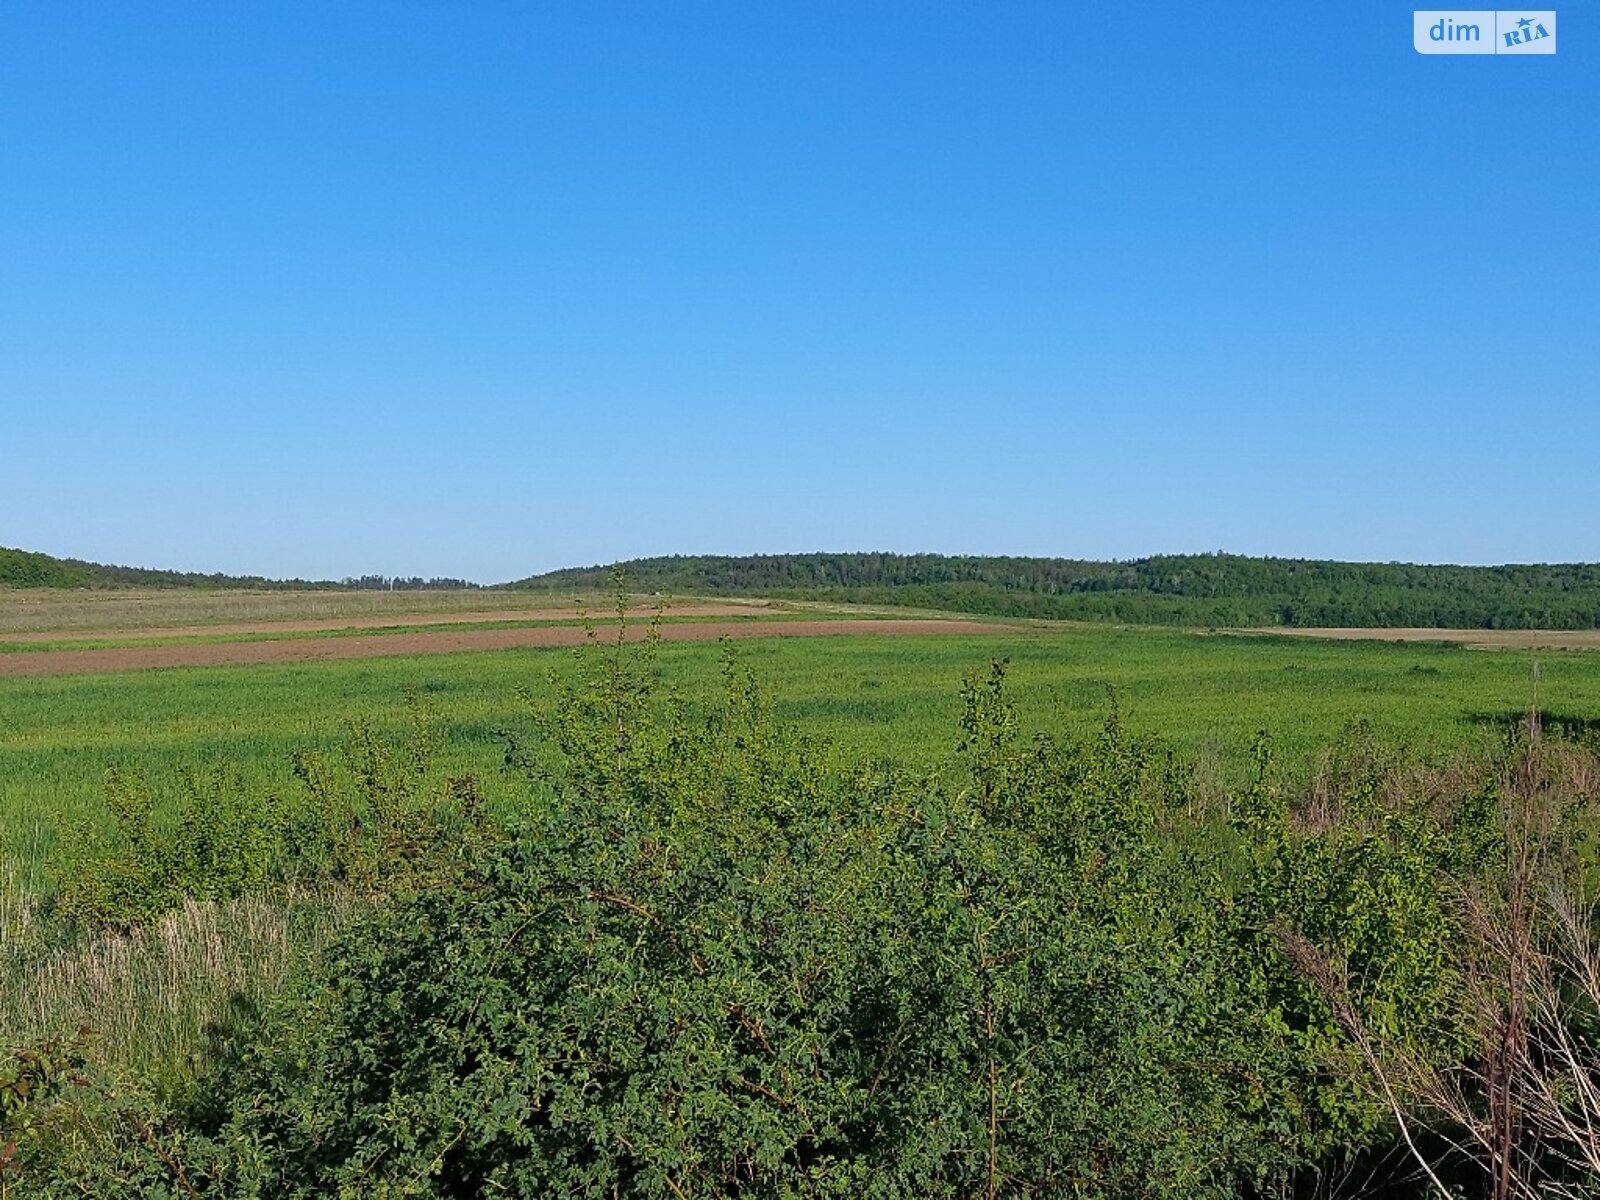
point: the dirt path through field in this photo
(1484, 639)
(205, 654)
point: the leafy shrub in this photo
(223, 845)
(1442, 930)
(711, 967)
(70, 1128)
(373, 820)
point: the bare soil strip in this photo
(45, 609)
(1484, 639)
(205, 654)
(384, 621)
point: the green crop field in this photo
(889, 698)
(171, 867)
(159, 936)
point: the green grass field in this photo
(158, 993)
(886, 698)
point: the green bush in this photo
(222, 845)
(68, 1127)
(711, 967)
(373, 819)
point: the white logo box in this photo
(1484, 31)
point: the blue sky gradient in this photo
(481, 290)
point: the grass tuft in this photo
(164, 998)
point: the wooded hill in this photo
(1197, 590)
(1205, 590)
(29, 569)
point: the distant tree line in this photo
(1195, 590)
(1205, 590)
(411, 583)
(29, 569)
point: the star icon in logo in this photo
(1525, 22)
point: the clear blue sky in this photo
(479, 290)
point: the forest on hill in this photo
(1196, 590)
(31, 569)
(1200, 590)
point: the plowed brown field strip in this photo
(379, 621)
(205, 654)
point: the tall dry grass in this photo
(163, 1000)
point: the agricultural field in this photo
(93, 681)
(51, 609)
(219, 808)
